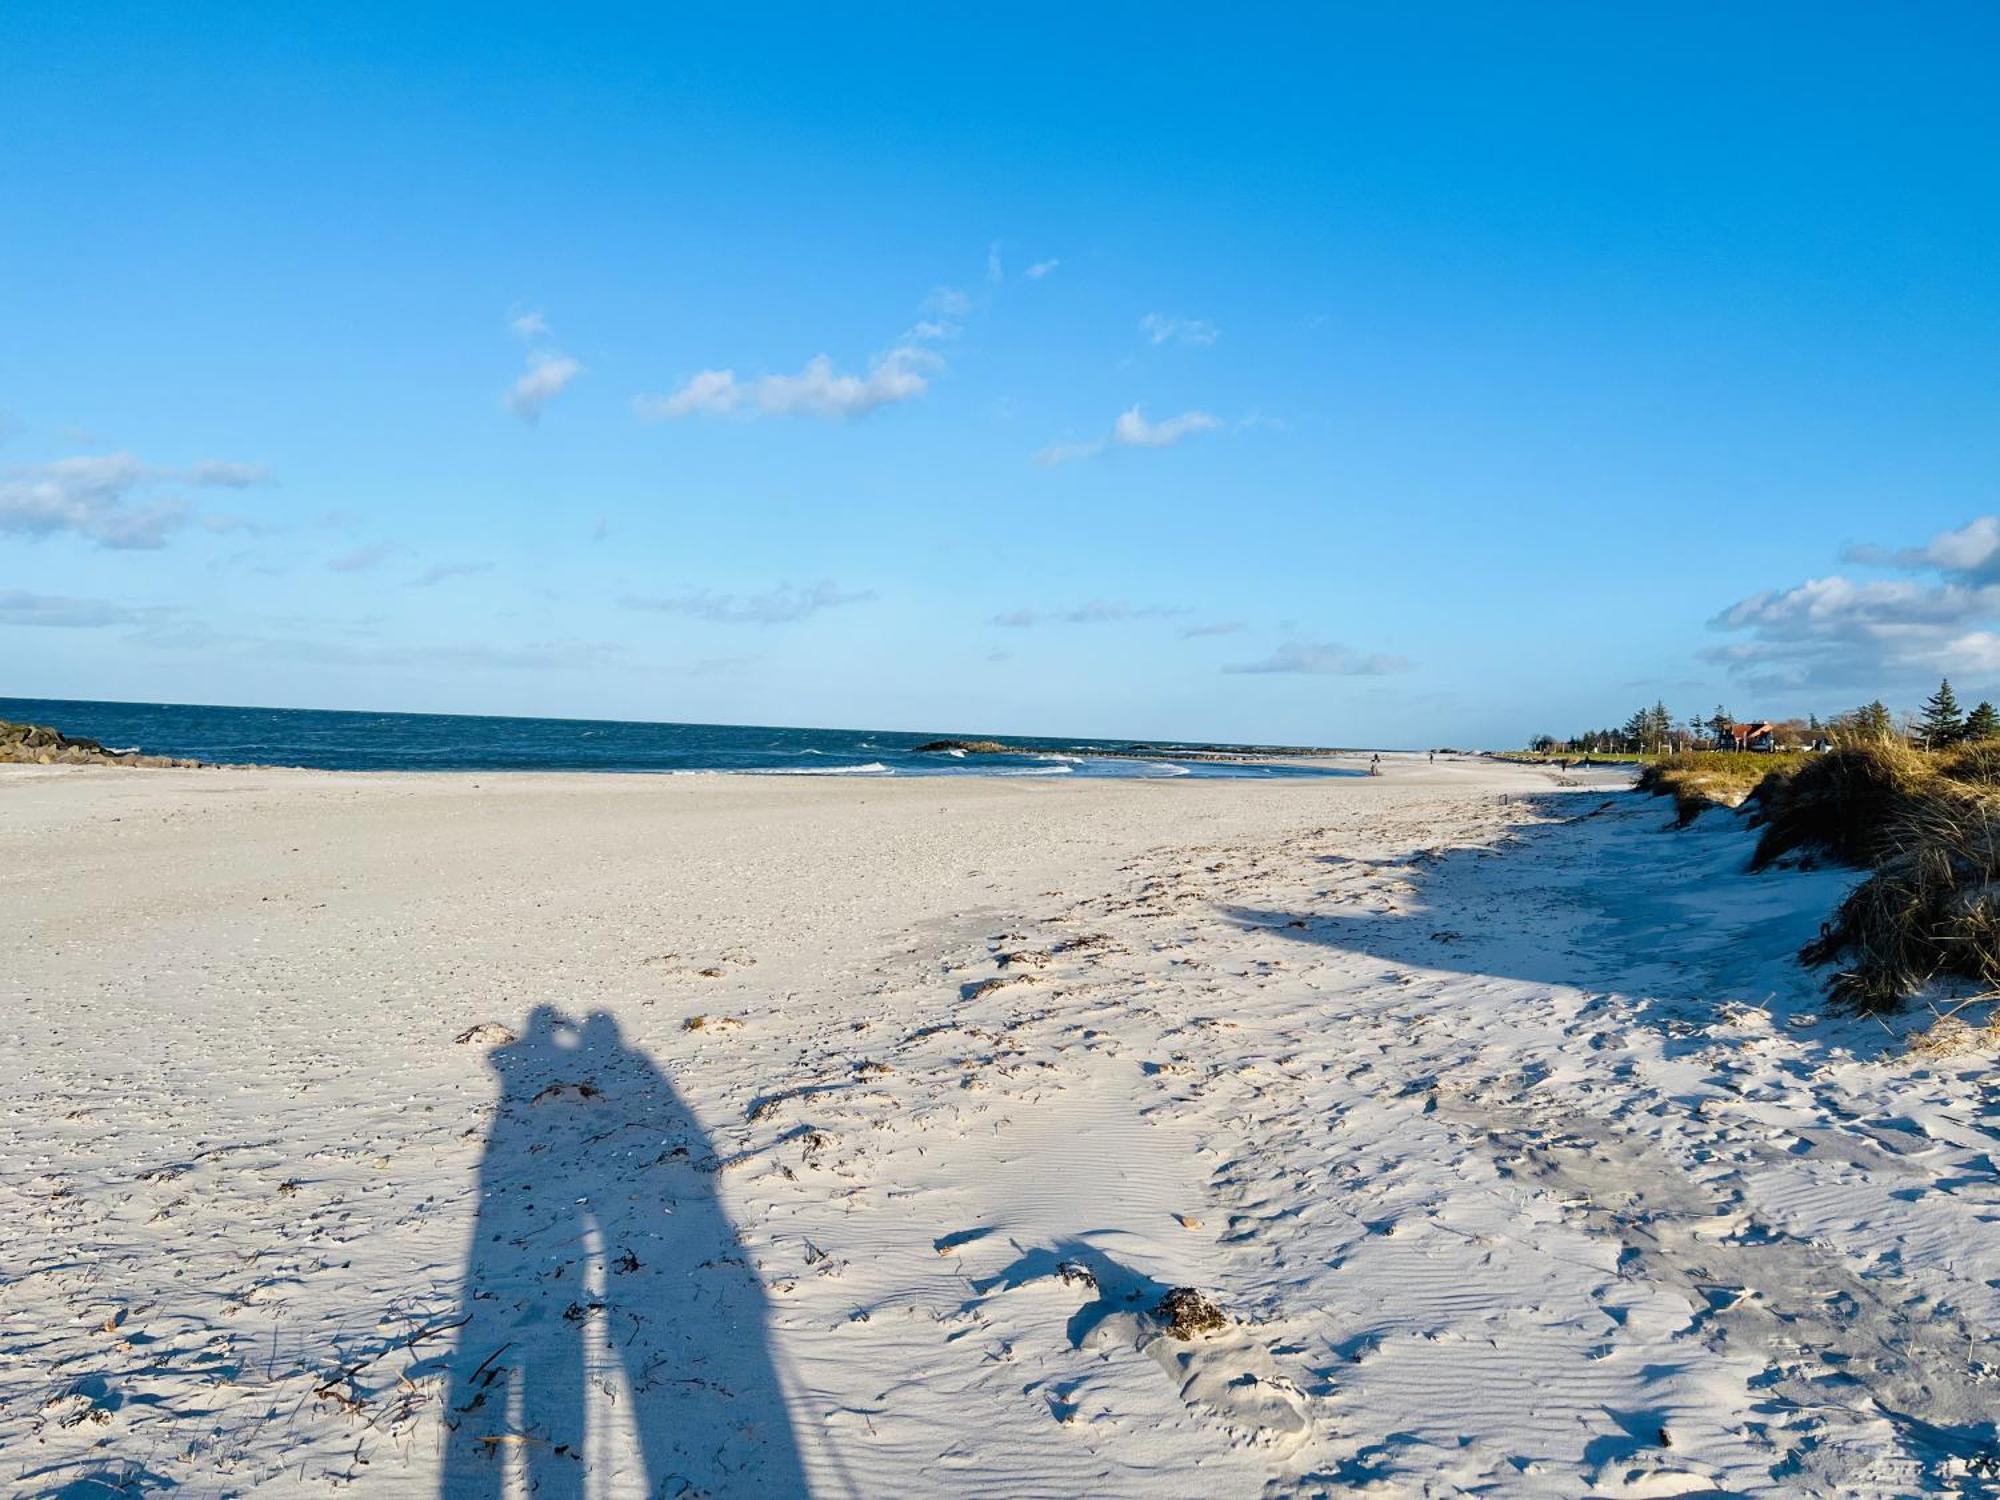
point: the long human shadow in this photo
(601, 1259)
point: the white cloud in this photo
(1096, 612)
(229, 476)
(1967, 554)
(948, 302)
(1131, 430)
(1042, 268)
(818, 390)
(1162, 329)
(1220, 627)
(361, 559)
(93, 497)
(1322, 659)
(19, 607)
(547, 375)
(439, 572)
(529, 325)
(1134, 431)
(995, 271)
(777, 606)
(1880, 635)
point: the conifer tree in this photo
(1941, 723)
(1983, 723)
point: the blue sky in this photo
(1349, 374)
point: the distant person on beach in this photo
(1375, 765)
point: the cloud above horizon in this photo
(60, 611)
(547, 376)
(361, 559)
(548, 373)
(1162, 329)
(779, 606)
(1876, 635)
(438, 573)
(817, 390)
(110, 499)
(1322, 659)
(1131, 430)
(1096, 612)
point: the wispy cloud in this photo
(1220, 627)
(818, 390)
(1322, 659)
(548, 372)
(1096, 612)
(948, 302)
(1131, 430)
(361, 559)
(438, 573)
(1134, 431)
(996, 272)
(221, 474)
(1162, 329)
(59, 611)
(547, 376)
(1876, 634)
(1042, 268)
(777, 606)
(111, 499)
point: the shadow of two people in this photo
(602, 1264)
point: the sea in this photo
(336, 740)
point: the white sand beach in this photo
(728, 1136)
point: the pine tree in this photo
(1659, 725)
(1942, 723)
(1721, 723)
(1983, 723)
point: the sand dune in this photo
(416, 1135)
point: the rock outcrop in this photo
(39, 745)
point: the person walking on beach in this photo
(1375, 765)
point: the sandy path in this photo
(1510, 1145)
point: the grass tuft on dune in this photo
(1700, 779)
(1925, 826)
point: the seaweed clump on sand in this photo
(1185, 1314)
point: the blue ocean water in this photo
(325, 739)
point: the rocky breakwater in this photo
(39, 745)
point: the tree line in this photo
(1652, 731)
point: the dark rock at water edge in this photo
(39, 745)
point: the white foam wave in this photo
(873, 768)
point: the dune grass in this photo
(1700, 779)
(1926, 828)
